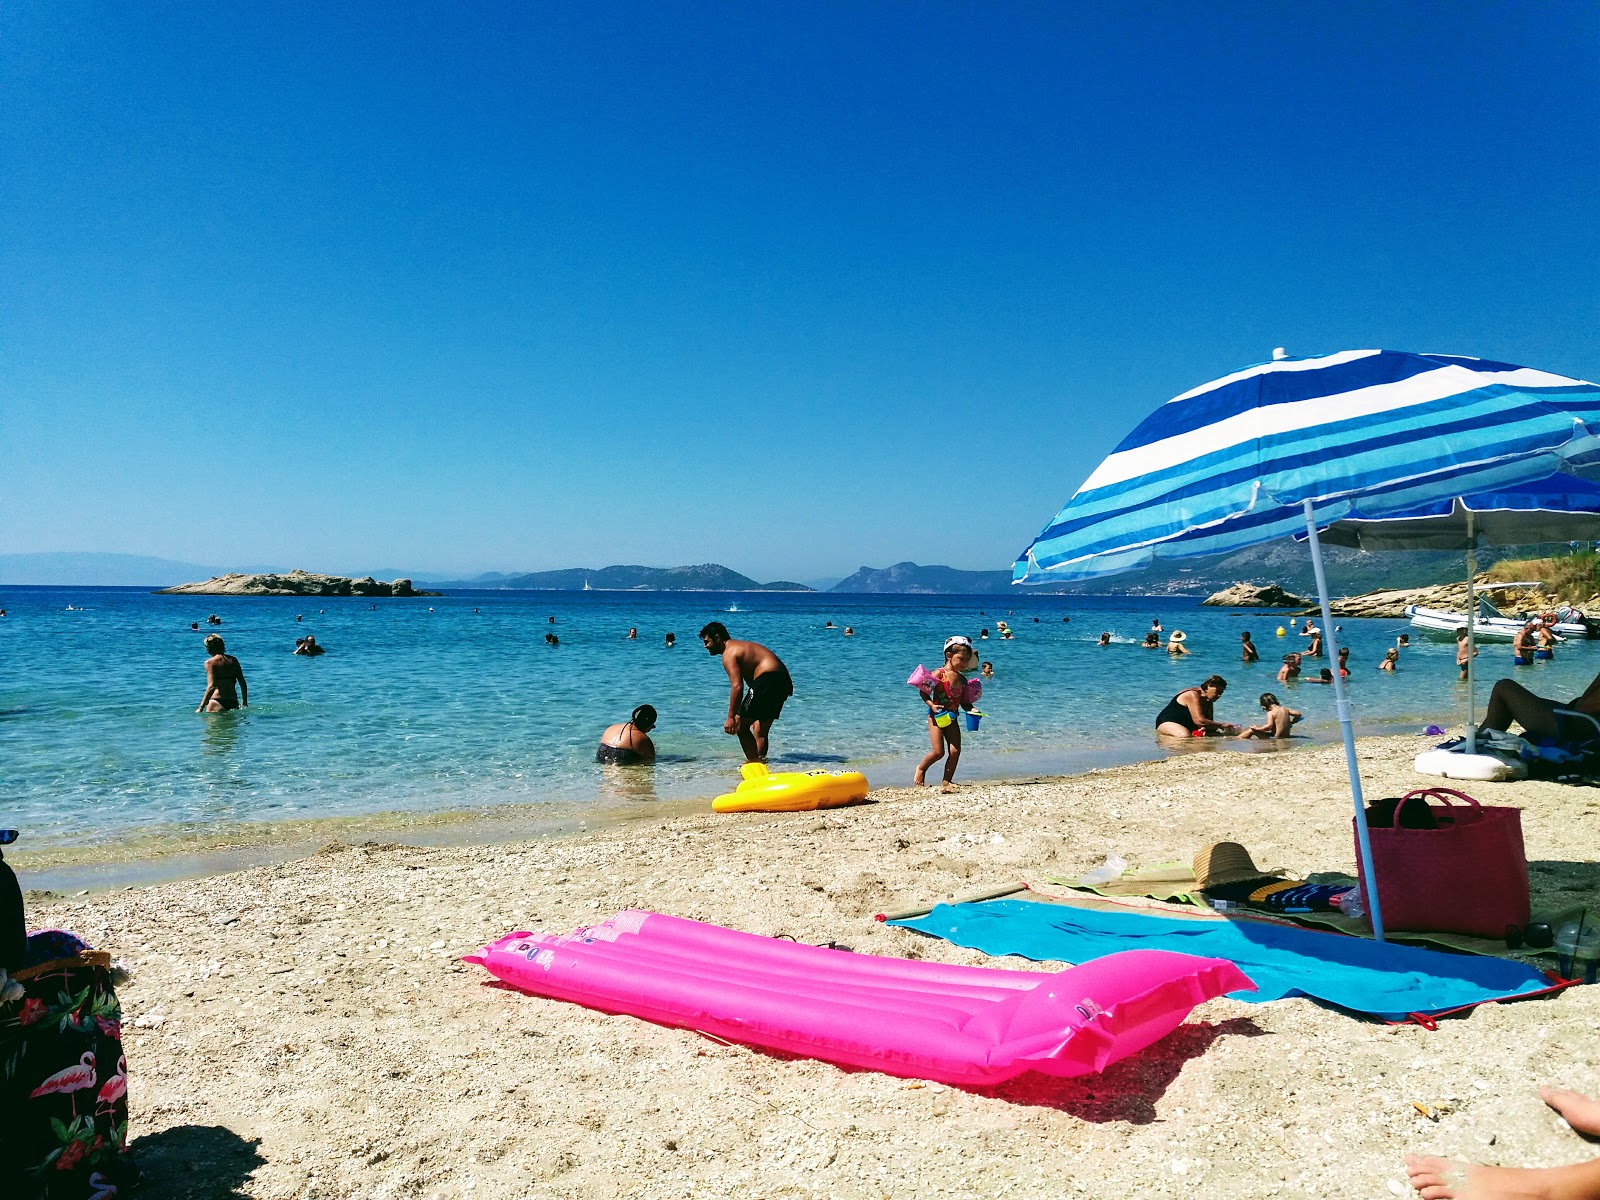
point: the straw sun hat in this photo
(1222, 863)
(1177, 636)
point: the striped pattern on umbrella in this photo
(1229, 465)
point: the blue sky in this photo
(792, 287)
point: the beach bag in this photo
(63, 1078)
(1468, 873)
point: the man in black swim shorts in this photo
(758, 682)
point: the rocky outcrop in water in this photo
(1255, 595)
(295, 583)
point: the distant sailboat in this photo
(586, 586)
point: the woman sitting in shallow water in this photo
(629, 744)
(1188, 714)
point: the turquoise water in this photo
(457, 703)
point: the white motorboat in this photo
(1492, 624)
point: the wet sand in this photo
(304, 1029)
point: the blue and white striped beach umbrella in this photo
(1301, 443)
(1232, 463)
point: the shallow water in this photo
(456, 703)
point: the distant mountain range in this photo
(1286, 562)
(707, 577)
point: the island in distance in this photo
(295, 583)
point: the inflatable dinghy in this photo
(954, 1024)
(791, 791)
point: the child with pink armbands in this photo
(945, 692)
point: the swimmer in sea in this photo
(629, 744)
(672, 640)
(308, 646)
(1105, 639)
(1290, 669)
(225, 683)
(849, 631)
(632, 633)
(1247, 648)
(988, 669)
(1522, 645)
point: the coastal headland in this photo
(293, 583)
(313, 1020)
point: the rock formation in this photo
(1252, 595)
(295, 583)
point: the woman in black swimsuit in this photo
(1188, 714)
(629, 744)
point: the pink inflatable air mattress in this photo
(965, 1025)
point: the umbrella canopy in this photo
(1560, 508)
(1231, 463)
(1557, 508)
(1306, 442)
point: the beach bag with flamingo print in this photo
(63, 1079)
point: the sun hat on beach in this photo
(1222, 863)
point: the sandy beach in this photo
(305, 1030)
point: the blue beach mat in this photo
(1383, 980)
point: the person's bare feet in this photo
(947, 787)
(1447, 1179)
(1576, 1109)
(918, 779)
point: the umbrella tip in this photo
(1279, 354)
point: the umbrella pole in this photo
(1341, 703)
(1472, 631)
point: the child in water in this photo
(1278, 721)
(945, 693)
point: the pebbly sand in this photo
(304, 1030)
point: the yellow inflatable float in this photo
(791, 791)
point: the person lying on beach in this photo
(223, 676)
(1247, 649)
(1573, 723)
(1277, 722)
(945, 694)
(1447, 1179)
(758, 682)
(308, 646)
(629, 744)
(1290, 669)
(1188, 714)
(1391, 659)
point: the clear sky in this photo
(788, 286)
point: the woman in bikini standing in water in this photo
(223, 674)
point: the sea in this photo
(434, 710)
